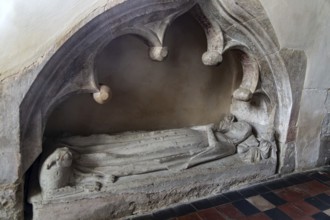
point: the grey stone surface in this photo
(315, 42)
(312, 112)
(295, 62)
(251, 151)
(288, 160)
(248, 34)
(143, 193)
(56, 171)
(324, 155)
(11, 201)
(300, 117)
(77, 75)
(327, 101)
(100, 160)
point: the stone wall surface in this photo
(304, 25)
(31, 31)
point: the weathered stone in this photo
(312, 112)
(11, 201)
(295, 62)
(324, 156)
(77, 74)
(287, 162)
(275, 96)
(147, 192)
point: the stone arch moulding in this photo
(227, 24)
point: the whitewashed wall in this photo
(29, 30)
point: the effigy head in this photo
(62, 157)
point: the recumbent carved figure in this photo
(101, 159)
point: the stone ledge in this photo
(145, 193)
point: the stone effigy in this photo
(29, 98)
(99, 160)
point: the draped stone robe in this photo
(105, 157)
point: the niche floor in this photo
(300, 196)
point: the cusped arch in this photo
(71, 69)
(251, 72)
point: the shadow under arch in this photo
(153, 95)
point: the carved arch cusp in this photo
(103, 95)
(250, 79)
(213, 32)
(211, 58)
(158, 53)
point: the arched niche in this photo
(71, 70)
(263, 97)
(227, 25)
(178, 92)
